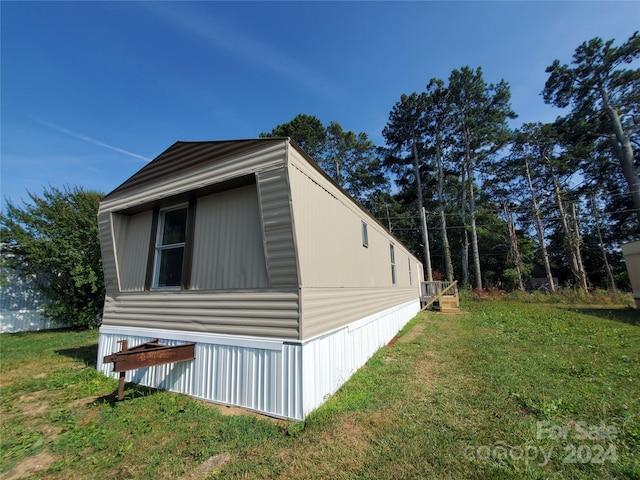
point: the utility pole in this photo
(427, 251)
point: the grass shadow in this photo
(628, 315)
(87, 353)
(36, 333)
(131, 391)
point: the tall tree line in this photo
(500, 206)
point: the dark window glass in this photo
(170, 274)
(393, 264)
(170, 245)
(175, 226)
(365, 235)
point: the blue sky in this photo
(92, 91)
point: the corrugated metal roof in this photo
(182, 157)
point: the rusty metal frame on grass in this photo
(147, 354)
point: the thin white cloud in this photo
(256, 52)
(92, 140)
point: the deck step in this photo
(448, 304)
(449, 310)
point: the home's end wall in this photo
(242, 278)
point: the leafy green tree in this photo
(550, 167)
(438, 123)
(307, 130)
(349, 158)
(530, 144)
(479, 114)
(605, 98)
(54, 239)
(405, 137)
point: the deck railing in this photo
(432, 291)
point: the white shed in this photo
(21, 304)
(247, 248)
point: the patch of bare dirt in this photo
(49, 432)
(230, 411)
(30, 466)
(34, 404)
(36, 408)
(203, 470)
(83, 402)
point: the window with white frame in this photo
(170, 246)
(410, 276)
(393, 263)
(365, 235)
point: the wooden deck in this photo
(440, 295)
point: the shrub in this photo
(55, 240)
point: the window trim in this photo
(410, 274)
(159, 247)
(153, 264)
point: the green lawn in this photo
(506, 390)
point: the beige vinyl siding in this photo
(228, 250)
(279, 246)
(132, 234)
(245, 312)
(342, 280)
(326, 309)
(108, 254)
(257, 249)
(236, 233)
(247, 163)
(329, 237)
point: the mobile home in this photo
(247, 248)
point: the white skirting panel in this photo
(258, 374)
(329, 360)
(276, 377)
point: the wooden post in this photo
(121, 386)
(124, 346)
